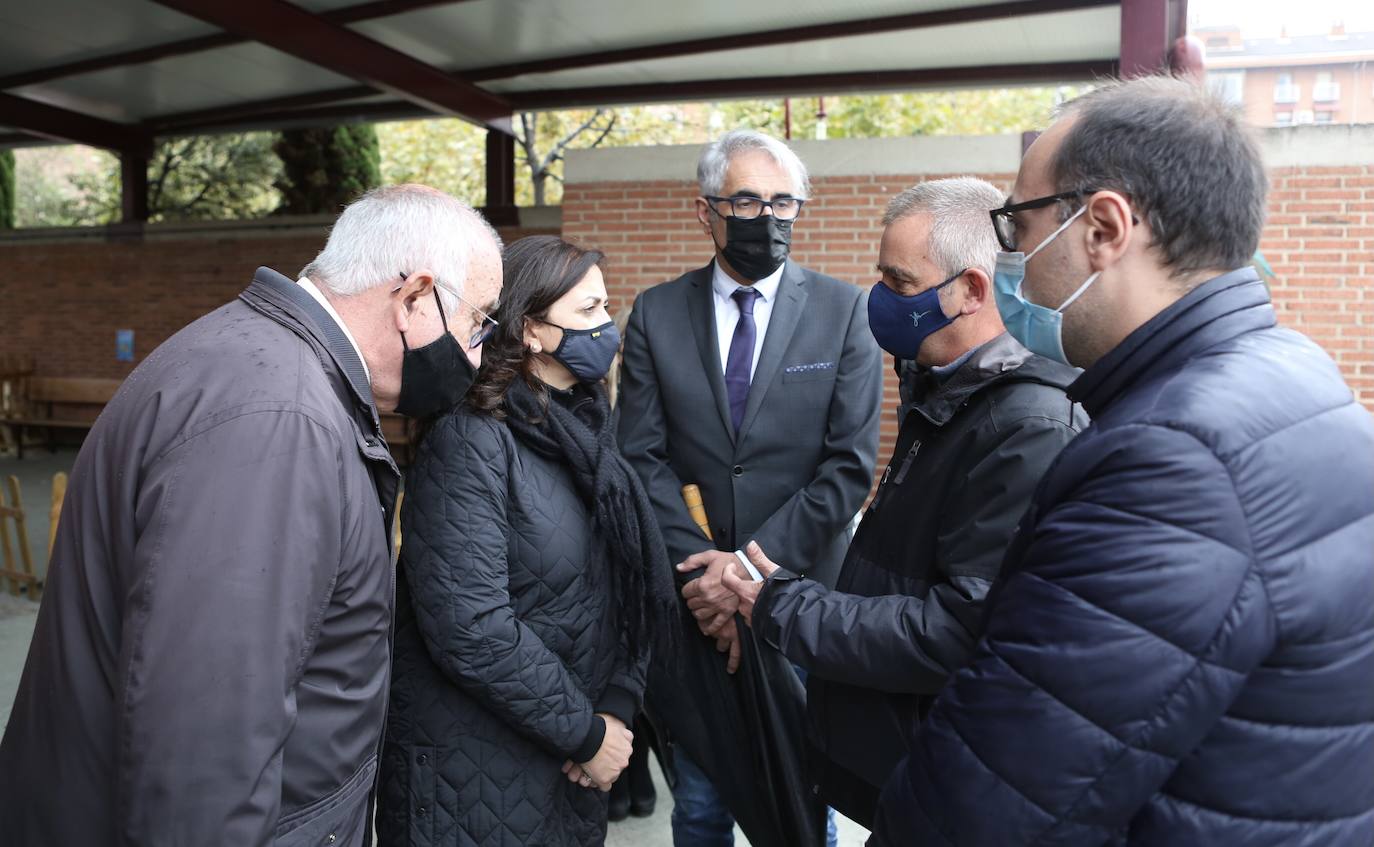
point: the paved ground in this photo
(17, 616)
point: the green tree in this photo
(544, 150)
(220, 177)
(444, 153)
(324, 169)
(6, 189)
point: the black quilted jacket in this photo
(506, 645)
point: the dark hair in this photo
(1186, 160)
(537, 271)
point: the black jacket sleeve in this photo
(912, 644)
(456, 536)
(825, 506)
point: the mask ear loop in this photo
(1020, 286)
(438, 302)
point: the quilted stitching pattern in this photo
(505, 640)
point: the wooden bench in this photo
(16, 565)
(55, 403)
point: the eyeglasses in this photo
(1005, 225)
(484, 329)
(744, 206)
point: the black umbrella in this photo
(746, 731)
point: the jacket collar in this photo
(937, 400)
(293, 307)
(1215, 312)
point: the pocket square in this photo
(814, 366)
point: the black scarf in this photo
(622, 516)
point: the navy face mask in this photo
(901, 324)
(588, 353)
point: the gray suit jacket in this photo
(802, 463)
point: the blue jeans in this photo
(700, 816)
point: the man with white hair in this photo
(211, 659)
(984, 419)
(758, 381)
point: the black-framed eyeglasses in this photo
(484, 329)
(1005, 225)
(745, 206)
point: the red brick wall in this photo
(62, 300)
(1320, 240)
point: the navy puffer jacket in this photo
(1182, 652)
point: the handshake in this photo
(610, 760)
(725, 588)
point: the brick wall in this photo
(63, 295)
(1320, 237)
(1320, 242)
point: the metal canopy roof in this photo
(117, 73)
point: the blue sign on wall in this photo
(124, 345)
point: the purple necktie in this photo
(741, 359)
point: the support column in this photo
(1149, 29)
(500, 207)
(133, 179)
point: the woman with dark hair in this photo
(532, 583)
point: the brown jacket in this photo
(211, 657)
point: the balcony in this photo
(1287, 93)
(1328, 92)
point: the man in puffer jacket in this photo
(1182, 646)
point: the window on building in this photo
(1325, 116)
(1283, 118)
(1228, 85)
(1327, 89)
(1285, 90)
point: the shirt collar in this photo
(725, 287)
(315, 292)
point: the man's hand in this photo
(728, 642)
(710, 602)
(747, 590)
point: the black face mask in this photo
(433, 377)
(756, 246)
(588, 353)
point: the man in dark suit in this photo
(759, 381)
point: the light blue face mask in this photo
(1038, 329)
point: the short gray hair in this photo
(961, 233)
(716, 156)
(1185, 159)
(398, 229)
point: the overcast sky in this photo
(1263, 18)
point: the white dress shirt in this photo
(727, 318)
(727, 311)
(304, 282)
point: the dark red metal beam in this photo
(69, 127)
(350, 14)
(293, 30)
(274, 114)
(220, 115)
(780, 86)
(1148, 31)
(790, 35)
(391, 110)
